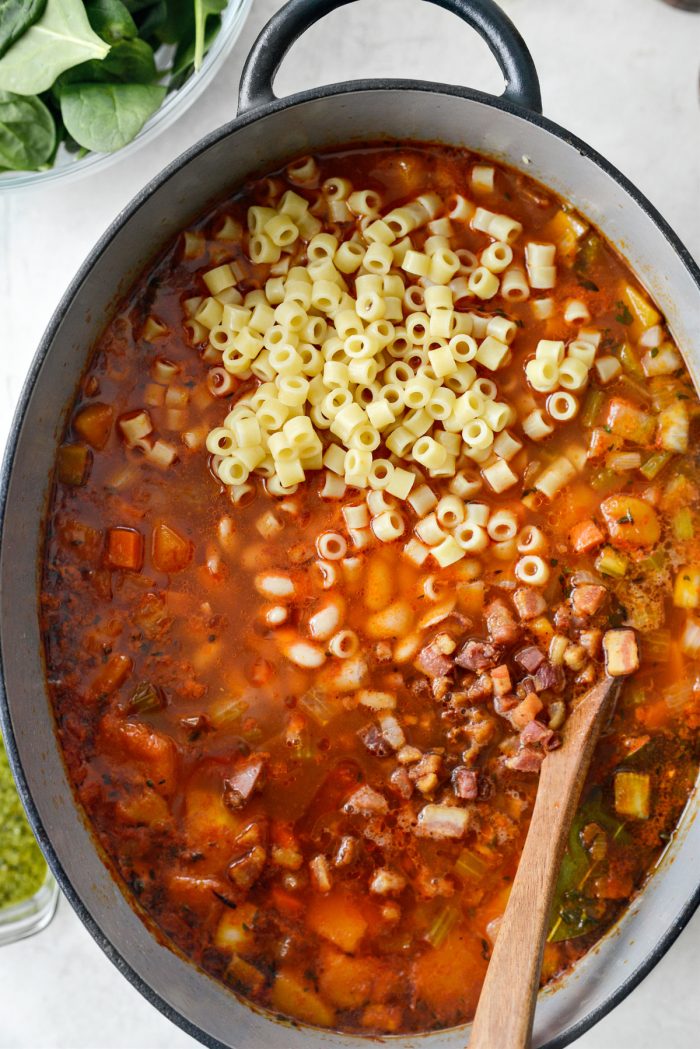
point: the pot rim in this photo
(673, 931)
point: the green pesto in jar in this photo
(22, 866)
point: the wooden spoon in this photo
(507, 1004)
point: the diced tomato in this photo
(94, 424)
(124, 549)
(169, 551)
(585, 536)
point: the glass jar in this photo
(28, 892)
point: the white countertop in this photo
(622, 74)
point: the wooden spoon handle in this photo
(507, 1004)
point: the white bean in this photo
(297, 650)
(327, 619)
(275, 615)
(274, 584)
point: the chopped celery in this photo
(226, 711)
(686, 590)
(442, 925)
(146, 698)
(682, 524)
(634, 694)
(321, 709)
(591, 407)
(73, 463)
(654, 562)
(632, 794)
(470, 865)
(611, 562)
(604, 480)
(630, 361)
(677, 696)
(653, 466)
(628, 384)
(656, 646)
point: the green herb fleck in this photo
(623, 315)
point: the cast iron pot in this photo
(266, 132)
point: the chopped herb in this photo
(655, 351)
(626, 518)
(623, 315)
(589, 285)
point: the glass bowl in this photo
(67, 165)
(30, 915)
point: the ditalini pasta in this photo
(381, 466)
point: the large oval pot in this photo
(266, 132)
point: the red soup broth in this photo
(311, 749)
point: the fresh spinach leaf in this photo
(111, 20)
(128, 62)
(184, 55)
(60, 39)
(202, 10)
(16, 17)
(104, 117)
(575, 913)
(178, 21)
(27, 132)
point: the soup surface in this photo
(305, 672)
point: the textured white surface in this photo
(623, 75)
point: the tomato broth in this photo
(304, 698)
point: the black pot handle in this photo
(288, 24)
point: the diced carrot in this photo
(526, 711)
(382, 1017)
(110, 676)
(169, 551)
(294, 995)
(124, 549)
(585, 536)
(349, 982)
(448, 978)
(94, 424)
(146, 809)
(631, 522)
(286, 903)
(209, 824)
(337, 917)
